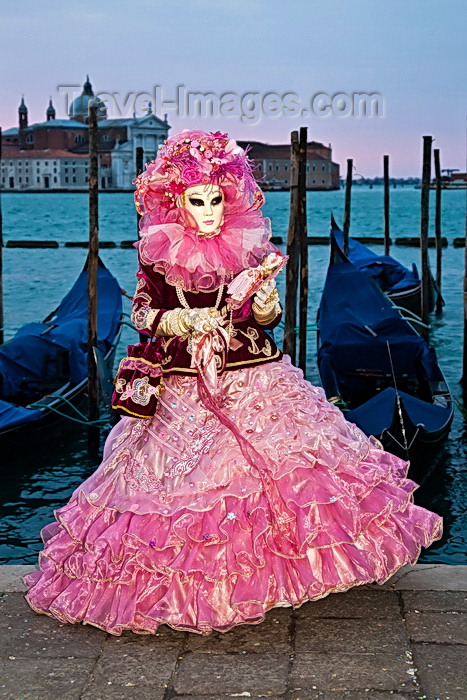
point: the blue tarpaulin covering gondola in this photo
(374, 364)
(48, 360)
(401, 284)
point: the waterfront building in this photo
(273, 165)
(47, 169)
(53, 154)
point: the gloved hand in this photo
(185, 321)
(267, 294)
(266, 306)
(201, 320)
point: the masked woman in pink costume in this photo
(247, 489)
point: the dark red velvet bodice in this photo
(257, 347)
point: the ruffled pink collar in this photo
(195, 263)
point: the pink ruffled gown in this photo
(204, 523)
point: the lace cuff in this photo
(143, 317)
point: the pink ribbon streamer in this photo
(203, 358)
(205, 348)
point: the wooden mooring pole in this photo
(139, 170)
(293, 251)
(464, 351)
(143, 338)
(348, 194)
(438, 237)
(2, 335)
(93, 261)
(303, 246)
(386, 204)
(424, 222)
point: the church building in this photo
(53, 154)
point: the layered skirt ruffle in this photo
(179, 526)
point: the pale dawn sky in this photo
(263, 61)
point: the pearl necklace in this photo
(230, 328)
(184, 303)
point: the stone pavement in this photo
(401, 641)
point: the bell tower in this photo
(23, 123)
(23, 114)
(50, 113)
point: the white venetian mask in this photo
(206, 205)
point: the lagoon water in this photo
(42, 477)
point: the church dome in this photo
(80, 105)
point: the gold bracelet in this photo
(263, 310)
(183, 322)
(265, 316)
(175, 321)
(170, 316)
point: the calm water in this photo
(41, 479)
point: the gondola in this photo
(376, 367)
(43, 368)
(401, 284)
